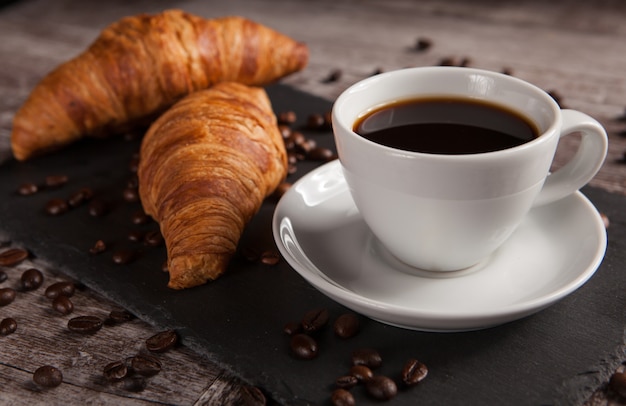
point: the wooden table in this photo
(574, 49)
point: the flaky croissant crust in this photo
(140, 66)
(206, 166)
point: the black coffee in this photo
(446, 125)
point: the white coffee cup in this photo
(440, 212)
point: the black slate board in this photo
(558, 356)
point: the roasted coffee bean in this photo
(13, 256)
(119, 316)
(422, 44)
(507, 71)
(368, 357)
(153, 238)
(413, 372)
(285, 132)
(27, 189)
(617, 383)
(60, 289)
(80, 197)
(130, 195)
(286, 117)
(135, 236)
(605, 220)
(321, 154)
(314, 320)
(333, 76)
(85, 324)
(48, 376)
(56, 207)
(31, 279)
(346, 381)
(3, 276)
(347, 325)
(7, 296)
(132, 182)
(270, 257)
(251, 396)
(140, 217)
(63, 305)
(341, 397)
(162, 341)
(7, 326)
(145, 365)
(55, 181)
(292, 327)
(123, 256)
(98, 208)
(115, 371)
(381, 387)
(303, 346)
(361, 373)
(165, 266)
(446, 61)
(98, 247)
(133, 165)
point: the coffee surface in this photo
(446, 125)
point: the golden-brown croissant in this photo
(205, 167)
(140, 66)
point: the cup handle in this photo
(585, 163)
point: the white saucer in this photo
(321, 234)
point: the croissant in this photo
(140, 66)
(205, 167)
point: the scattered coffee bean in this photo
(31, 279)
(123, 256)
(13, 256)
(422, 44)
(368, 357)
(347, 325)
(292, 327)
(270, 257)
(115, 371)
(145, 365)
(81, 197)
(56, 207)
(7, 326)
(286, 117)
(60, 289)
(7, 296)
(333, 76)
(605, 220)
(48, 376)
(140, 217)
(341, 397)
(165, 266)
(447, 61)
(285, 132)
(98, 208)
(55, 181)
(346, 381)
(154, 238)
(361, 373)
(617, 383)
(3, 276)
(162, 341)
(251, 396)
(133, 165)
(132, 182)
(321, 154)
(98, 247)
(27, 189)
(130, 195)
(303, 346)
(507, 71)
(413, 372)
(377, 71)
(316, 122)
(135, 236)
(119, 316)
(381, 387)
(85, 324)
(63, 305)
(314, 320)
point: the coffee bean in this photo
(85, 324)
(55, 181)
(381, 387)
(63, 305)
(162, 341)
(617, 383)
(605, 220)
(251, 396)
(132, 182)
(422, 44)
(98, 247)
(286, 117)
(48, 376)
(153, 238)
(7, 326)
(119, 316)
(7, 296)
(115, 371)
(130, 195)
(31, 279)
(366, 356)
(321, 154)
(347, 325)
(341, 397)
(292, 327)
(507, 71)
(413, 372)
(60, 289)
(135, 236)
(303, 346)
(361, 373)
(133, 165)
(56, 207)
(145, 365)
(333, 76)
(314, 320)
(123, 256)
(346, 381)
(139, 217)
(80, 197)
(270, 257)
(27, 189)
(98, 208)
(3, 276)
(13, 256)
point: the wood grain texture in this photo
(573, 48)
